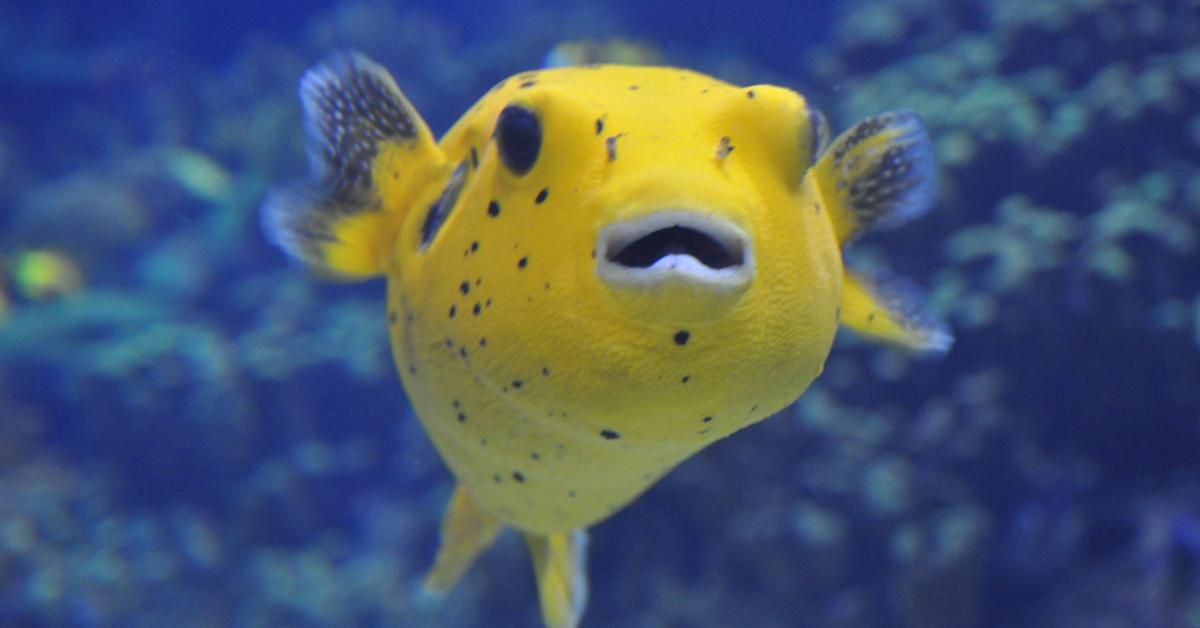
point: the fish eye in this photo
(518, 138)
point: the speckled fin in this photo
(467, 530)
(891, 311)
(559, 562)
(880, 172)
(338, 221)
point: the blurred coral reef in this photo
(192, 434)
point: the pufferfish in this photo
(594, 274)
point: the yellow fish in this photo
(597, 272)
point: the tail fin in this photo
(880, 172)
(363, 135)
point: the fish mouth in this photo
(675, 246)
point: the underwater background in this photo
(194, 432)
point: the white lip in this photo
(679, 267)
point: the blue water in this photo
(195, 432)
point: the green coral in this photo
(1025, 240)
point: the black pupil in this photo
(519, 138)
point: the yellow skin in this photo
(593, 358)
(555, 390)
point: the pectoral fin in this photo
(891, 311)
(559, 564)
(370, 156)
(467, 530)
(880, 171)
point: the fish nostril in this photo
(676, 240)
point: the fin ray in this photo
(559, 562)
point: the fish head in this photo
(646, 223)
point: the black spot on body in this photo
(496, 478)
(599, 126)
(517, 384)
(475, 246)
(462, 351)
(518, 476)
(684, 379)
(453, 311)
(750, 94)
(609, 435)
(483, 342)
(392, 318)
(541, 196)
(528, 84)
(462, 417)
(535, 455)
(681, 337)
(707, 419)
(546, 371)
(724, 147)
(477, 309)
(523, 262)
(474, 158)
(464, 287)
(493, 209)
(610, 145)
(633, 88)
(571, 493)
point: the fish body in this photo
(595, 273)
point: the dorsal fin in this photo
(358, 122)
(880, 172)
